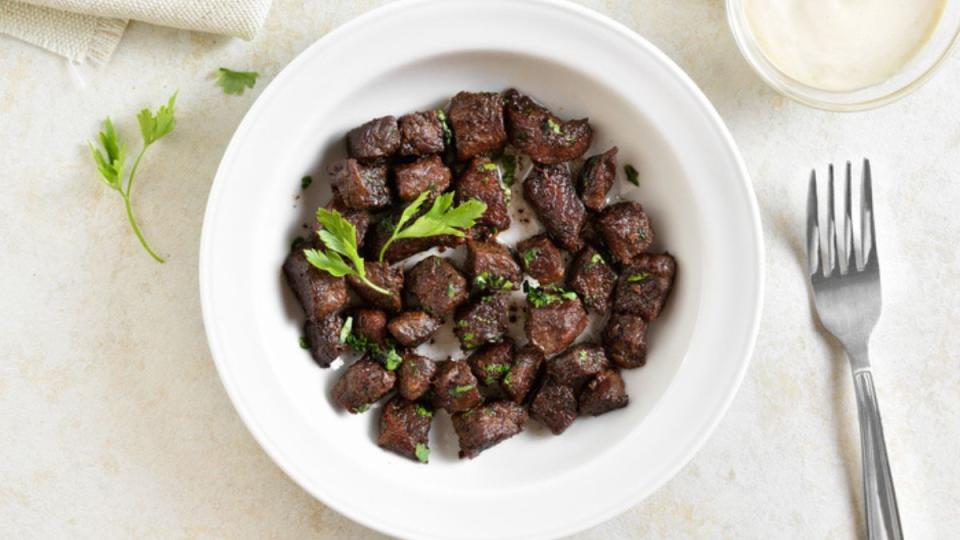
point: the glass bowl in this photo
(916, 72)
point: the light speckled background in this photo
(115, 424)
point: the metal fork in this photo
(846, 292)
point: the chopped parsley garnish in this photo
(493, 370)
(306, 181)
(362, 409)
(529, 255)
(582, 355)
(508, 169)
(544, 296)
(632, 175)
(458, 391)
(422, 452)
(508, 380)
(304, 344)
(468, 336)
(462, 323)
(638, 278)
(387, 353)
(554, 126)
(486, 167)
(447, 134)
(392, 360)
(485, 281)
(423, 411)
(451, 290)
(597, 259)
(345, 329)
(296, 241)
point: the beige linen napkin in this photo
(91, 29)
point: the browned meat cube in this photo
(492, 362)
(589, 235)
(455, 387)
(549, 190)
(596, 178)
(414, 375)
(371, 325)
(555, 405)
(626, 230)
(405, 428)
(377, 139)
(644, 286)
(405, 247)
(360, 219)
(604, 393)
(577, 365)
(523, 373)
(480, 180)
(436, 286)
(362, 384)
(482, 428)
(553, 325)
(427, 174)
(421, 134)
(491, 266)
(359, 186)
(592, 278)
(384, 276)
(323, 337)
(625, 337)
(537, 132)
(541, 259)
(411, 328)
(482, 321)
(319, 293)
(477, 122)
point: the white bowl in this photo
(412, 56)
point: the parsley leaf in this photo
(632, 175)
(445, 126)
(304, 344)
(485, 281)
(306, 181)
(392, 359)
(638, 278)
(451, 290)
(553, 125)
(362, 408)
(112, 160)
(489, 166)
(340, 238)
(441, 219)
(458, 391)
(508, 166)
(544, 296)
(422, 452)
(529, 255)
(423, 411)
(345, 329)
(236, 82)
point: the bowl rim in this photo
(740, 36)
(705, 108)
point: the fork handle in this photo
(880, 499)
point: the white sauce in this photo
(842, 45)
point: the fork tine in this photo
(813, 227)
(867, 231)
(831, 229)
(847, 254)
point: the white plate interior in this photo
(691, 184)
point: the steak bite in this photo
(318, 293)
(492, 362)
(482, 321)
(644, 285)
(592, 279)
(377, 139)
(427, 174)
(626, 230)
(482, 428)
(405, 426)
(358, 186)
(370, 325)
(541, 259)
(363, 383)
(411, 328)
(604, 393)
(577, 365)
(550, 192)
(421, 134)
(555, 405)
(596, 178)
(536, 131)
(405, 247)
(555, 322)
(435, 286)
(523, 373)
(455, 387)
(481, 180)
(625, 339)
(323, 337)
(477, 122)
(384, 276)
(414, 375)
(491, 266)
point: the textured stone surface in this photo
(114, 421)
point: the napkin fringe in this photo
(105, 39)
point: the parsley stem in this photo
(374, 286)
(126, 202)
(383, 250)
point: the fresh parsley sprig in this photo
(236, 82)
(441, 219)
(544, 296)
(340, 238)
(111, 162)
